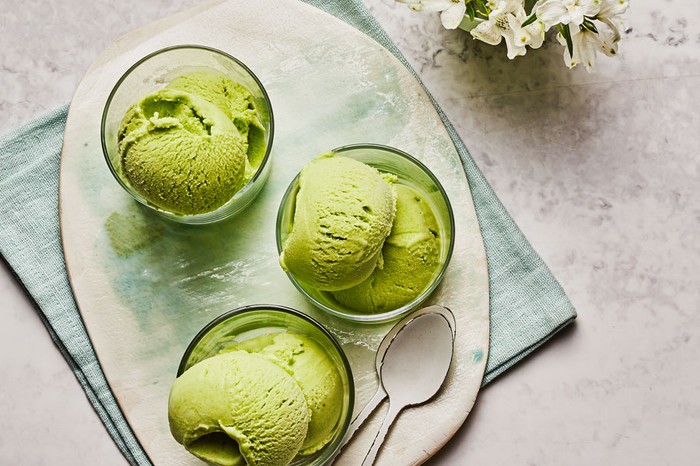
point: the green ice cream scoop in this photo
(237, 103)
(314, 371)
(238, 409)
(344, 212)
(411, 259)
(181, 153)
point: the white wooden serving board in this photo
(145, 286)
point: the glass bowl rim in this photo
(398, 312)
(265, 307)
(125, 75)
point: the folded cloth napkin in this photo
(527, 305)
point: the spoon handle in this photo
(364, 414)
(378, 397)
(379, 439)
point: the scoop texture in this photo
(309, 364)
(344, 212)
(411, 259)
(239, 106)
(238, 408)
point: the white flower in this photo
(585, 45)
(532, 34)
(609, 14)
(451, 11)
(608, 42)
(505, 22)
(571, 12)
(590, 26)
(610, 8)
(496, 26)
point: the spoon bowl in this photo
(416, 367)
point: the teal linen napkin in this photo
(527, 305)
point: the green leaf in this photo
(482, 8)
(471, 12)
(530, 20)
(588, 24)
(566, 33)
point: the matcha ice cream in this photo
(259, 402)
(238, 409)
(238, 105)
(360, 236)
(188, 148)
(315, 373)
(411, 258)
(344, 212)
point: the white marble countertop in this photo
(601, 171)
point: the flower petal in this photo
(513, 38)
(610, 8)
(607, 43)
(552, 12)
(452, 16)
(427, 5)
(586, 44)
(536, 31)
(487, 32)
(589, 7)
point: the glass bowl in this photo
(245, 323)
(154, 72)
(410, 172)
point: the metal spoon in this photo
(414, 336)
(414, 367)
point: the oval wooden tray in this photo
(145, 286)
